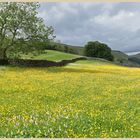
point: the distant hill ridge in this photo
(135, 58)
(119, 57)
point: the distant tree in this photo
(19, 24)
(97, 49)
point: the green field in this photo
(50, 55)
(83, 99)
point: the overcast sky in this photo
(116, 24)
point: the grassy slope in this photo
(83, 99)
(57, 56)
(137, 55)
(78, 49)
(51, 55)
(118, 55)
(135, 58)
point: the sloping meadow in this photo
(83, 99)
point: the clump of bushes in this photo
(97, 49)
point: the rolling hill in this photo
(137, 55)
(135, 58)
(58, 53)
(119, 57)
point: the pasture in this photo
(83, 99)
(51, 55)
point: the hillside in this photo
(137, 55)
(87, 99)
(124, 59)
(135, 58)
(77, 49)
(119, 57)
(50, 55)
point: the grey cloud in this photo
(116, 24)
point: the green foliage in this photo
(20, 24)
(97, 49)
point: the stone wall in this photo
(39, 63)
(4, 62)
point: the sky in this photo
(116, 24)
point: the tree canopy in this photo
(19, 23)
(97, 49)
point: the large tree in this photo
(97, 49)
(19, 22)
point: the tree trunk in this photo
(4, 53)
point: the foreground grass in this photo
(51, 55)
(83, 99)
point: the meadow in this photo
(51, 55)
(85, 99)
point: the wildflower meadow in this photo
(83, 99)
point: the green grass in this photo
(51, 55)
(83, 99)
